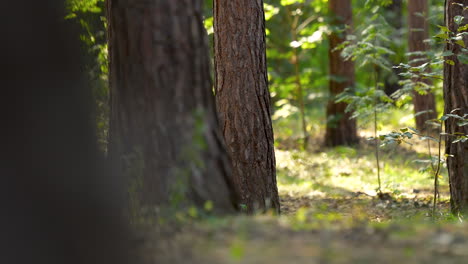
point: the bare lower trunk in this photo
(164, 130)
(243, 100)
(424, 104)
(456, 97)
(341, 130)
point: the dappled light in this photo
(239, 131)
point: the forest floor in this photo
(330, 214)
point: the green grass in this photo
(343, 169)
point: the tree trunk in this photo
(341, 130)
(59, 203)
(243, 100)
(456, 97)
(424, 104)
(163, 125)
(393, 16)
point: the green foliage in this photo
(300, 37)
(90, 16)
(369, 48)
(297, 33)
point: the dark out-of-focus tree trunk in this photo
(341, 130)
(393, 14)
(243, 100)
(163, 126)
(59, 204)
(424, 104)
(456, 97)
(395, 19)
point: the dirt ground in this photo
(355, 229)
(330, 214)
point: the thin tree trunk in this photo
(163, 127)
(243, 100)
(456, 97)
(424, 104)
(341, 130)
(395, 19)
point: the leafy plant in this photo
(369, 49)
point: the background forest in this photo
(279, 131)
(297, 35)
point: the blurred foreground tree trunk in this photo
(164, 132)
(456, 97)
(341, 130)
(59, 203)
(243, 100)
(424, 104)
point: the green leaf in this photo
(463, 58)
(450, 62)
(461, 43)
(288, 2)
(442, 36)
(414, 130)
(444, 29)
(270, 11)
(447, 53)
(208, 206)
(455, 116)
(463, 28)
(70, 16)
(458, 19)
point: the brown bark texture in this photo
(418, 32)
(59, 204)
(243, 100)
(456, 97)
(341, 130)
(164, 133)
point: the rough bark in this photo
(243, 100)
(164, 130)
(418, 32)
(59, 204)
(456, 97)
(341, 130)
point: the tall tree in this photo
(424, 104)
(341, 130)
(243, 100)
(456, 97)
(59, 204)
(163, 126)
(394, 18)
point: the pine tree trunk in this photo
(341, 130)
(418, 32)
(243, 100)
(163, 129)
(456, 97)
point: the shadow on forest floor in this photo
(330, 214)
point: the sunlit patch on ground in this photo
(331, 212)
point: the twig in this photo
(436, 175)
